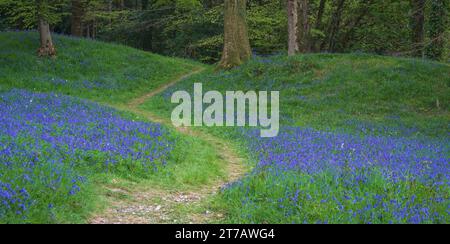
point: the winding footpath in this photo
(146, 204)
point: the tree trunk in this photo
(318, 25)
(47, 49)
(334, 27)
(292, 27)
(236, 48)
(303, 27)
(77, 15)
(94, 29)
(110, 8)
(88, 31)
(417, 26)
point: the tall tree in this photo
(30, 14)
(417, 26)
(76, 19)
(292, 11)
(437, 34)
(236, 49)
(47, 48)
(303, 27)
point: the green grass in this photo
(296, 197)
(114, 74)
(193, 164)
(84, 68)
(354, 93)
(332, 91)
(325, 91)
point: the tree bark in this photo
(292, 9)
(303, 27)
(88, 31)
(236, 48)
(417, 26)
(47, 49)
(77, 15)
(94, 28)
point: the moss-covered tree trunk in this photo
(292, 11)
(47, 48)
(236, 49)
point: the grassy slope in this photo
(123, 73)
(321, 91)
(105, 73)
(328, 91)
(89, 69)
(356, 93)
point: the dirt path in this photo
(140, 203)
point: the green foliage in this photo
(95, 70)
(169, 28)
(180, 5)
(194, 28)
(437, 30)
(199, 34)
(24, 13)
(267, 27)
(383, 31)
